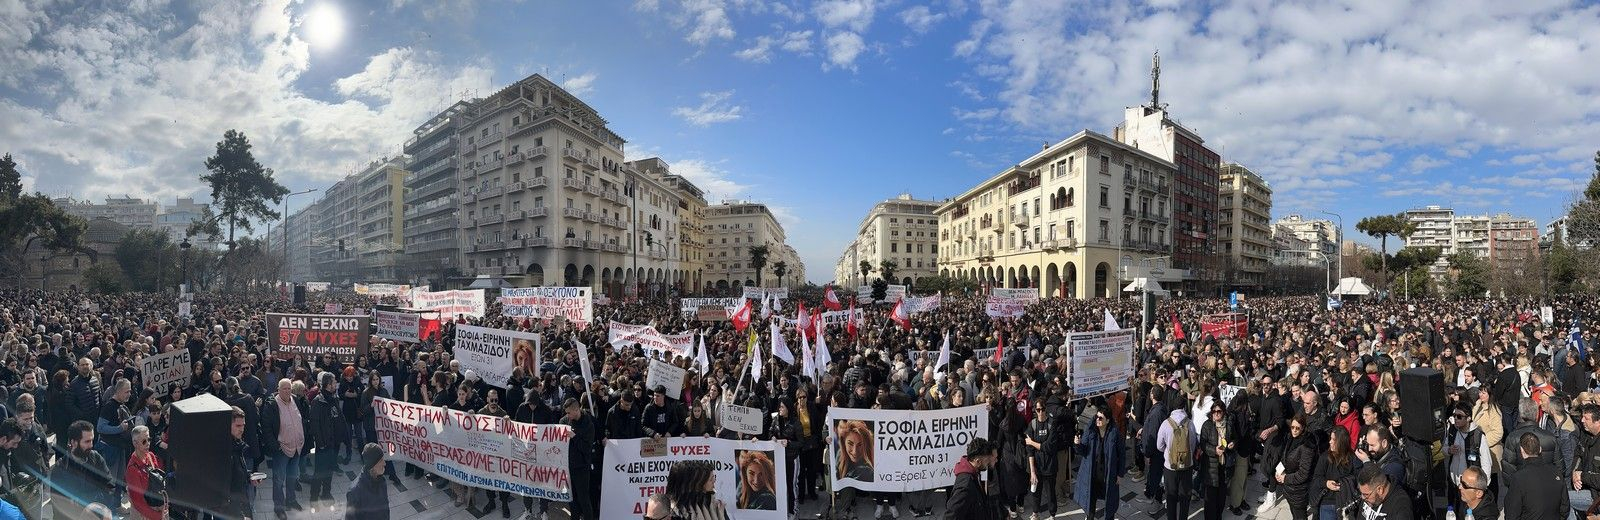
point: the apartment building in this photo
(380, 214)
(333, 252)
(1078, 219)
(1245, 226)
(1317, 234)
(902, 229)
(684, 236)
(1504, 240)
(431, 238)
(732, 228)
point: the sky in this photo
(822, 109)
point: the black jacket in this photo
(1049, 436)
(622, 424)
(967, 499)
(368, 499)
(1536, 492)
(1511, 454)
(326, 421)
(1299, 463)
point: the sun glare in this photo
(324, 26)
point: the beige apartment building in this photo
(356, 228)
(1245, 225)
(1064, 220)
(901, 229)
(732, 228)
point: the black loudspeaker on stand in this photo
(299, 295)
(201, 436)
(1422, 401)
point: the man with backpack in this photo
(1177, 442)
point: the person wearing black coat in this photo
(968, 500)
(580, 457)
(327, 429)
(368, 497)
(86, 393)
(1333, 485)
(1217, 440)
(240, 488)
(1299, 463)
(1270, 431)
(622, 422)
(1044, 440)
(57, 408)
(786, 430)
(1537, 491)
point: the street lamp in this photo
(185, 245)
(1326, 274)
(1339, 239)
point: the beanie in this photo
(371, 455)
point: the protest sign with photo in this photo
(167, 368)
(184, 309)
(477, 450)
(494, 353)
(398, 326)
(574, 304)
(998, 307)
(663, 374)
(742, 419)
(309, 336)
(900, 450)
(1102, 361)
(449, 304)
(750, 476)
(648, 338)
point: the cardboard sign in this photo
(665, 375)
(398, 326)
(742, 419)
(161, 370)
(711, 314)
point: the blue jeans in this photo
(1581, 500)
(285, 474)
(1328, 513)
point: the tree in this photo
(31, 219)
(886, 270)
(205, 224)
(105, 277)
(865, 267)
(1469, 275)
(1562, 269)
(779, 269)
(10, 180)
(1382, 227)
(149, 260)
(240, 185)
(758, 261)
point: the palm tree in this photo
(780, 269)
(1382, 227)
(866, 267)
(886, 268)
(758, 261)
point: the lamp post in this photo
(286, 229)
(185, 245)
(1339, 241)
(1326, 273)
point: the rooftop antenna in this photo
(1155, 80)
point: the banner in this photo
(379, 290)
(713, 313)
(839, 317)
(316, 286)
(765, 293)
(1102, 361)
(332, 308)
(1228, 391)
(398, 326)
(999, 307)
(894, 293)
(900, 450)
(545, 303)
(1026, 295)
(691, 307)
(184, 309)
(646, 337)
(477, 450)
(165, 369)
(664, 374)
(309, 336)
(449, 304)
(741, 419)
(916, 305)
(494, 353)
(750, 476)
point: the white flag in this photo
(700, 358)
(766, 307)
(583, 364)
(755, 365)
(780, 348)
(1111, 322)
(944, 354)
(823, 356)
(808, 363)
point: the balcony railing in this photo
(538, 182)
(568, 154)
(593, 189)
(574, 212)
(536, 242)
(593, 217)
(572, 242)
(1019, 219)
(572, 184)
(537, 211)
(590, 163)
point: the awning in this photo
(489, 282)
(1352, 286)
(1146, 285)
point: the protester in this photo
(368, 498)
(968, 500)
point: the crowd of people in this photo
(1307, 401)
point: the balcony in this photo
(469, 197)
(493, 137)
(614, 196)
(535, 152)
(439, 204)
(430, 245)
(1150, 216)
(536, 242)
(516, 187)
(1146, 245)
(615, 248)
(423, 229)
(536, 211)
(1128, 180)
(590, 163)
(1059, 243)
(572, 242)
(574, 212)
(615, 222)
(568, 154)
(492, 192)
(491, 165)
(658, 255)
(516, 214)
(427, 190)
(593, 189)
(572, 184)
(593, 217)
(1019, 219)
(492, 219)
(592, 244)
(537, 182)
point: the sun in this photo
(324, 26)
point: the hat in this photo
(371, 455)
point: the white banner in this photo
(916, 305)
(449, 304)
(1228, 391)
(575, 304)
(477, 450)
(184, 308)
(689, 307)
(839, 317)
(750, 476)
(494, 353)
(763, 293)
(398, 326)
(664, 374)
(894, 293)
(332, 308)
(900, 450)
(998, 307)
(1102, 361)
(1026, 295)
(316, 286)
(646, 337)
(741, 419)
(165, 369)
(379, 290)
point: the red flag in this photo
(899, 315)
(1177, 328)
(850, 321)
(427, 329)
(802, 321)
(830, 300)
(1000, 347)
(741, 317)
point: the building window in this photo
(1105, 230)
(1105, 197)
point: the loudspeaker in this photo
(299, 294)
(202, 440)
(1422, 403)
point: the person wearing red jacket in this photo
(137, 475)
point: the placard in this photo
(900, 450)
(741, 419)
(840, 317)
(998, 307)
(766, 293)
(1102, 361)
(184, 308)
(332, 308)
(494, 353)
(916, 305)
(712, 314)
(167, 368)
(647, 337)
(398, 326)
(477, 450)
(449, 304)
(894, 293)
(1228, 391)
(691, 307)
(628, 479)
(575, 304)
(664, 374)
(1547, 314)
(1023, 294)
(309, 336)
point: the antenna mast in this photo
(1155, 80)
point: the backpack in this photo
(155, 488)
(1178, 450)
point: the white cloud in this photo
(709, 177)
(710, 21)
(855, 14)
(118, 108)
(581, 84)
(975, 115)
(1422, 163)
(797, 42)
(714, 108)
(843, 48)
(761, 52)
(975, 36)
(920, 18)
